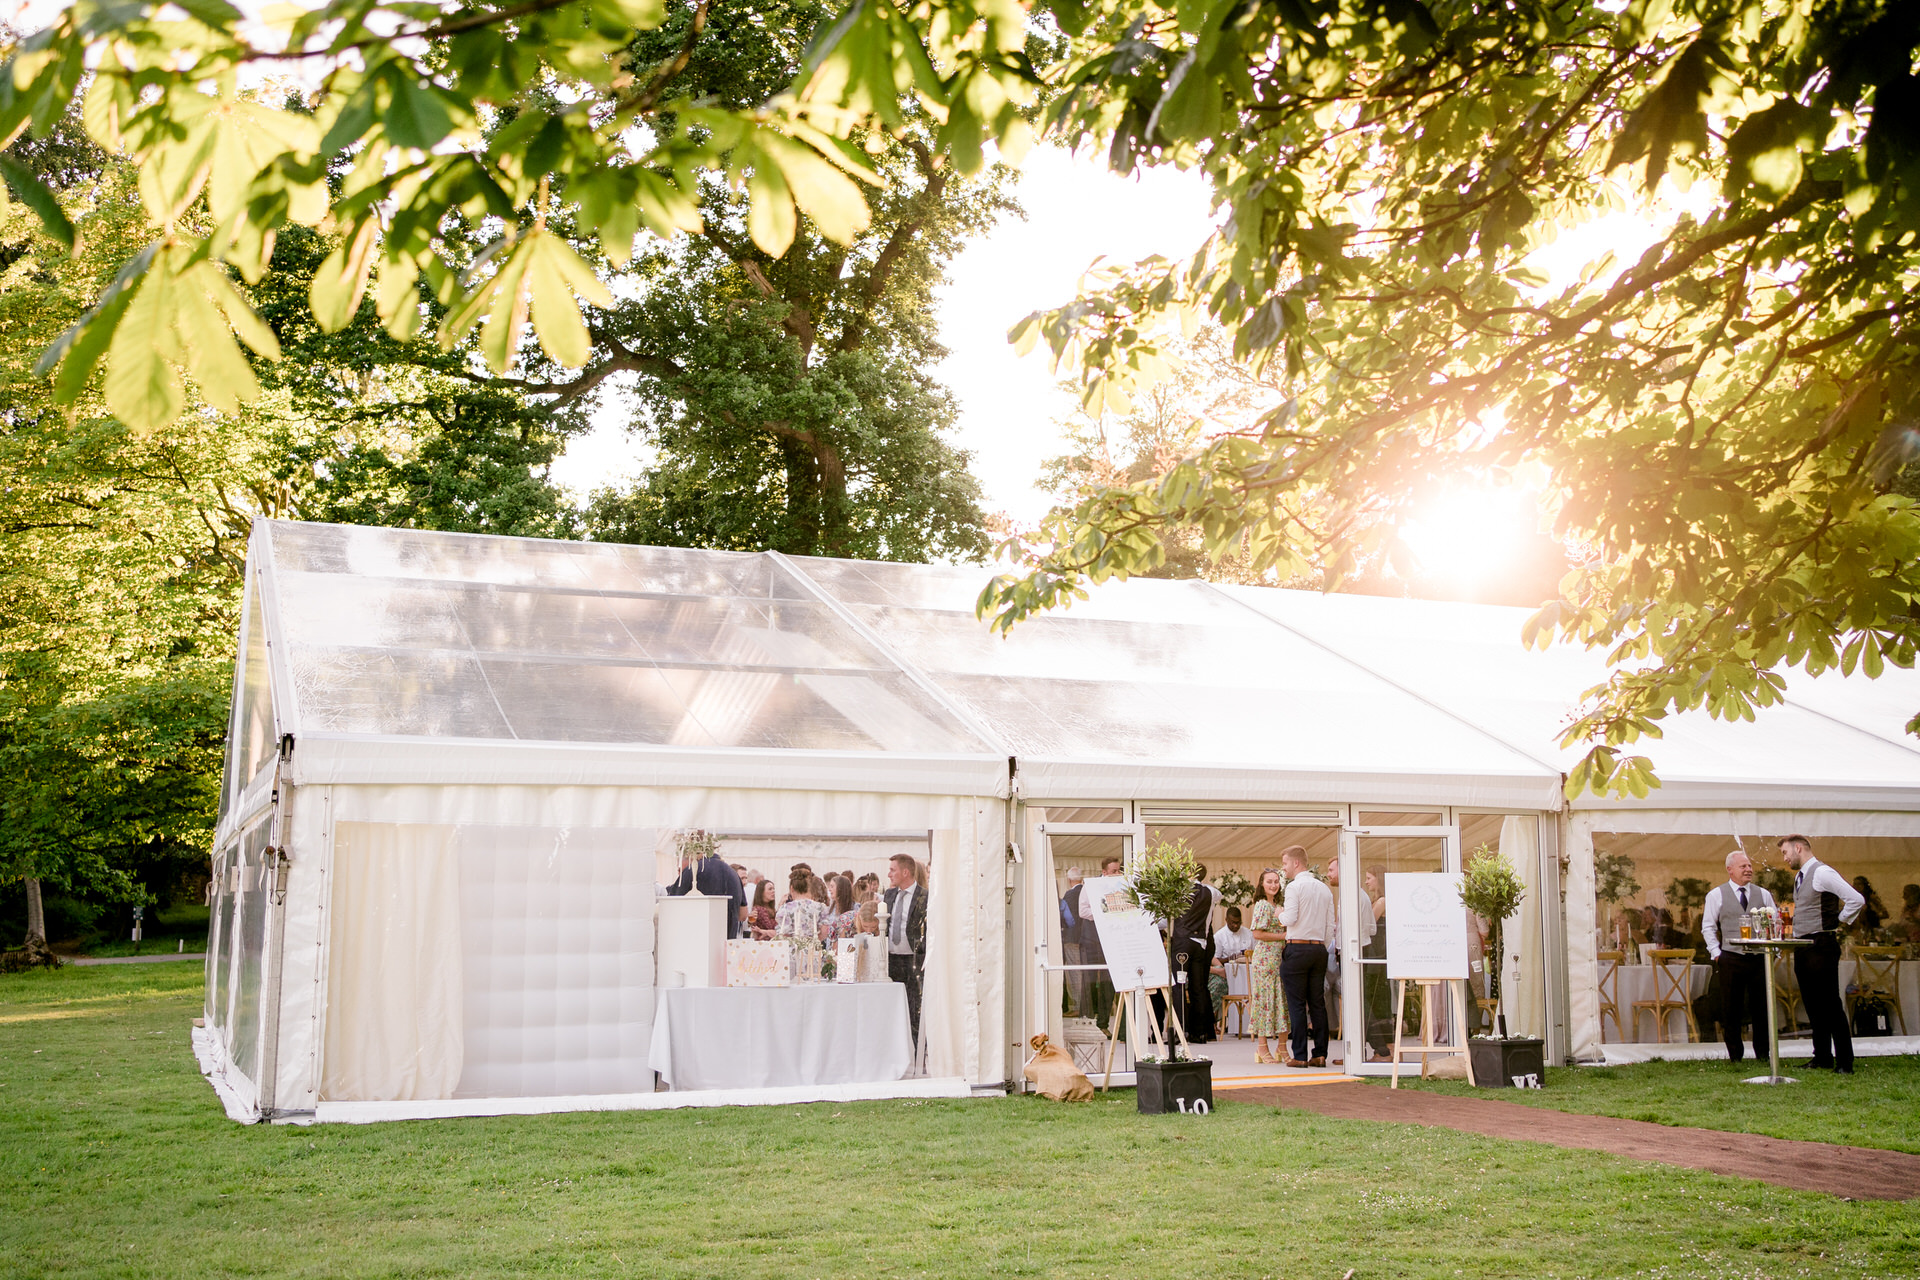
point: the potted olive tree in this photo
(1162, 885)
(1492, 890)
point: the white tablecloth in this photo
(1636, 983)
(761, 1037)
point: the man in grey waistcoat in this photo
(1822, 902)
(1741, 970)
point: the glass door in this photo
(1367, 854)
(1075, 996)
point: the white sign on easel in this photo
(1136, 957)
(1426, 925)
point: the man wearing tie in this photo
(1822, 902)
(907, 932)
(1743, 979)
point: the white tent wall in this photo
(498, 877)
(1580, 826)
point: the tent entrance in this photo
(1070, 973)
(1367, 854)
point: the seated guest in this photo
(760, 917)
(1230, 942)
(1910, 913)
(840, 910)
(800, 917)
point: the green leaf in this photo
(500, 338)
(770, 217)
(415, 115)
(341, 280)
(142, 386)
(217, 14)
(821, 191)
(37, 198)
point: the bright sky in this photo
(1077, 211)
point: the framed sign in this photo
(1136, 958)
(1426, 925)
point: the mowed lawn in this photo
(115, 1160)
(1879, 1106)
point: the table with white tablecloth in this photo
(1636, 983)
(766, 1037)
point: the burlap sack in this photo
(1053, 1071)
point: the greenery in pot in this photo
(1492, 890)
(1162, 884)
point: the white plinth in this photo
(690, 947)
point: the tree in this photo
(784, 395)
(1721, 418)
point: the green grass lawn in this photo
(1879, 1106)
(115, 1160)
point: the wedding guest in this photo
(840, 911)
(1193, 939)
(1268, 1002)
(907, 931)
(801, 915)
(1375, 990)
(1230, 942)
(760, 916)
(1822, 902)
(1910, 912)
(1307, 918)
(716, 879)
(1743, 979)
(1874, 914)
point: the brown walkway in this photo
(1860, 1172)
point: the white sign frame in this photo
(1426, 926)
(1136, 956)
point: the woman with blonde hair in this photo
(1266, 999)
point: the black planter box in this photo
(1518, 1062)
(1180, 1088)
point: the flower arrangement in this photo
(693, 845)
(1235, 889)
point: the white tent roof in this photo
(399, 655)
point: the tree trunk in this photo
(36, 914)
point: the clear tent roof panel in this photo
(404, 633)
(1155, 670)
(1469, 660)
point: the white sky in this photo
(1077, 211)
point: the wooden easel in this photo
(1120, 1006)
(1456, 992)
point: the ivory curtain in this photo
(394, 1025)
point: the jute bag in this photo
(1053, 1070)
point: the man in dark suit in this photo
(1193, 938)
(717, 880)
(907, 932)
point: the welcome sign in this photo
(755, 963)
(1426, 925)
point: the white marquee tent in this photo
(453, 757)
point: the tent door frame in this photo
(1352, 971)
(1043, 1011)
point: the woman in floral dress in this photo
(1269, 1002)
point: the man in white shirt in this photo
(1740, 970)
(907, 932)
(1822, 902)
(1307, 919)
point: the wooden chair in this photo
(1240, 1000)
(1610, 962)
(1672, 988)
(1876, 972)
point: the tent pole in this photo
(278, 866)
